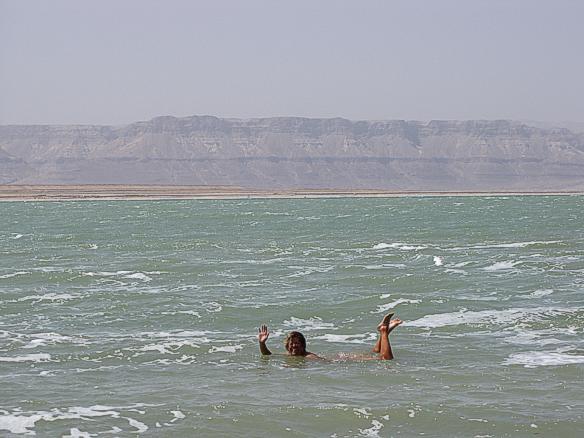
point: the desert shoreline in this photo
(112, 192)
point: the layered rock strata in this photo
(288, 152)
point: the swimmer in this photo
(295, 342)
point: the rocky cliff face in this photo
(292, 152)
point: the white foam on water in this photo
(455, 271)
(532, 359)
(6, 334)
(161, 348)
(307, 218)
(389, 306)
(374, 430)
(362, 412)
(561, 259)
(93, 246)
(481, 296)
(462, 264)
(400, 246)
(47, 269)
(14, 274)
(106, 273)
(138, 276)
(226, 349)
(171, 347)
(212, 307)
(314, 323)
(49, 297)
(384, 296)
(76, 433)
(539, 337)
(307, 270)
(538, 293)
(183, 312)
(273, 213)
(488, 316)
(178, 415)
(517, 244)
(171, 342)
(141, 427)
(19, 424)
(507, 245)
(502, 266)
(177, 334)
(438, 261)
(411, 247)
(253, 262)
(384, 266)
(38, 357)
(43, 339)
(267, 261)
(346, 339)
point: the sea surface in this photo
(139, 318)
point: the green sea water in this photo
(126, 318)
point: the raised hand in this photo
(263, 334)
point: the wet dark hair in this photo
(295, 335)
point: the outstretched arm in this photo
(263, 335)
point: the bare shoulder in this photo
(313, 356)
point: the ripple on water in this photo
(24, 422)
(533, 359)
(495, 317)
(491, 298)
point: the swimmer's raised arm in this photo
(263, 335)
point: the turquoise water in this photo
(124, 318)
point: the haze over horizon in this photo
(113, 63)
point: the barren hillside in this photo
(293, 152)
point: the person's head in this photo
(296, 344)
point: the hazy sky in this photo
(119, 61)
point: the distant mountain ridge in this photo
(293, 152)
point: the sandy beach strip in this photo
(161, 192)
